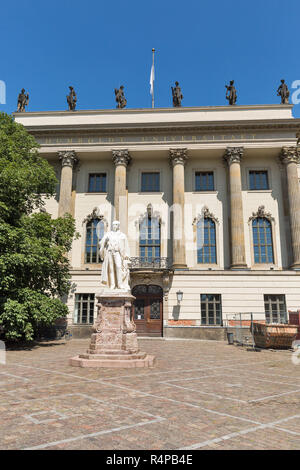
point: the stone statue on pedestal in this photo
(23, 100)
(283, 91)
(231, 95)
(71, 99)
(114, 340)
(114, 251)
(177, 95)
(120, 97)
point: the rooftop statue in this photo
(114, 251)
(23, 100)
(283, 91)
(120, 98)
(231, 95)
(177, 96)
(71, 99)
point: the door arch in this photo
(148, 309)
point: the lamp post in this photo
(179, 296)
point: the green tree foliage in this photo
(34, 266)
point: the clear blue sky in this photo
(97, 45)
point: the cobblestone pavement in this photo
(199, 395)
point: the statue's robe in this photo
(117, 242)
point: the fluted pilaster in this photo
(233, 158)
(178, 157)
(290, 157)
(121, 159)
(68, 161)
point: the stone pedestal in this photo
(114, 340)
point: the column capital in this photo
(178, 156)
(121, 157)
(68, 158)
(233, 155)
(290, 155)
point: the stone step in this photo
(98, 350)
(113, 357)
(147, 361)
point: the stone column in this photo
(290, 156)
(178, 158)
(121, 159)
(233, 157)
(68, 161)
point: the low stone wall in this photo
(194, 332)
(80, 331)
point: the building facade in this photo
(210, 201)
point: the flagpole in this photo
(153, 51)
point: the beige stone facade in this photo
(173, 147)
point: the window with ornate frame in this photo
(84, 308)
(262, 241)
(262, 237)
(150, 238)
(94, 231)
(206, 237)
(93, 228)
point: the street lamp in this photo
(179, 296)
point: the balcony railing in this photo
(149, 263)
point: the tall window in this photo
(150, 238)
(150, 182)
(275, 308)
(84, 308)
(97, 183)
(206, 241)
(94, 233)
(204, 181)
(258, 179)
(211, 309)
(262, 240)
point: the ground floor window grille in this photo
(84, 308)
(275, 308)
(211, 309)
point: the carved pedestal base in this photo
(114, 340)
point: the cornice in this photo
(155, 110)
(111, 129)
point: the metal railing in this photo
(149, 263)
(241, 325)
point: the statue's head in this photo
(282, 81)
(121, 87)
(231, 82)
(23, 90)
(176, 83)
(71, 88)
(115, 225)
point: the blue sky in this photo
(96, 46)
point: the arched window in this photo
(149, 238)
(262, 240)
(206, 241)
(94, 233)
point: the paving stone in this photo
(200, 395)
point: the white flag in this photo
(152, 79)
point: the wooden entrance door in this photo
(147, 310)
